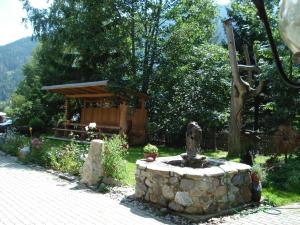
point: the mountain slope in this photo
(12, 57)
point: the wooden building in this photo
(108, 110)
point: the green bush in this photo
(150, 149)
(286, 176)
(113, 160)
(68, 159)
(37, 124)
(12, 142)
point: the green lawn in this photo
(136, 153)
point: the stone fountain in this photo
(191, 183)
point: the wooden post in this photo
(237, 95)
(123, 118)
(66, 107)
(239, 90)
(83, 111)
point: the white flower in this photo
(86, 128)
(92, 125)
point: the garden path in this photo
(32, 196)
(29, 196)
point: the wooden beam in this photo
(90, 95)
(248, 68)
(248, 63)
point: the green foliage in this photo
(12, 142)
(279, 103)
(286, 176)
(113, 156)
(37, 124)
(150, 149)
(198, 89)
(103, 188)
(68, 158)
(259, 171)
(150, 46)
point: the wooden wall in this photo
(101, 116)
(131, 120)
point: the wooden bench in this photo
(82, 132)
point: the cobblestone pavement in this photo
(285, 215)
(29, 196)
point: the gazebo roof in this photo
(84, 90)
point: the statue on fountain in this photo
(193, 146)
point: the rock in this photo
(237, 179)
(164, 210)
(111, 181)
(183, 198)
(92, 169)
(140, 190)
(203, 185)
(176, 207)
(186, 185)
(245, 193)
(193, 210)
(173, 180)
(233, 189)
(148, 182)
(24, 152)
(221, 191)
(154, 198)
(159, 179)
(247, 179)
(168, 192)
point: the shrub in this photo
(150, 149)
(113, 161)
(37, 153)
(286, 176)
(69, 158)
(37, 124)
(12, 142)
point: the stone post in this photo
(92, 169)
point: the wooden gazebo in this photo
(108, 110)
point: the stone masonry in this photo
(194, 191)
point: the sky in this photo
(11, 14)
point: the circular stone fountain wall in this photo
(220, 186)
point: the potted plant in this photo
(150, 151)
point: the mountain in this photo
(12, 58)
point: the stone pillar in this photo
(92, 169)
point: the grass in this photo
(135, 153)
(279, 197)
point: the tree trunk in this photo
(256, 113)
(239, 90)
(235, 124)
(237, 97)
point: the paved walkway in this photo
(29, 196)
(285, 215)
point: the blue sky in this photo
(11, 14)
